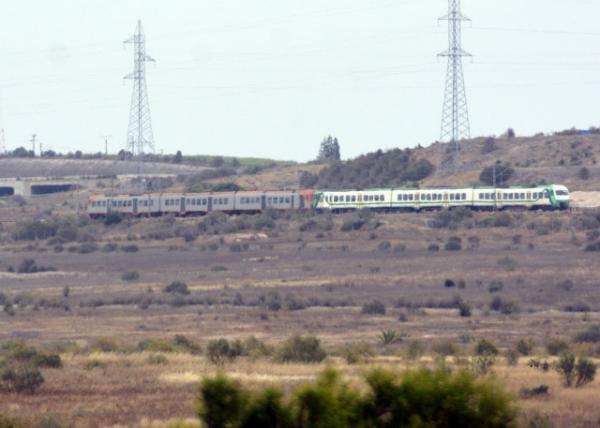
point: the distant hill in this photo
(567, 159)
(60, 167)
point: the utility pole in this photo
(32, 141)
(455, 114)
(2, 142)
(106, 138)
(139, 132)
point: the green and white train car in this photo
(549, 197)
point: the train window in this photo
(353, 198)
(376, 198)
(528, 195)
(335, 199)
(434, 197)
(464, 196)
(522, 195)
(382, 198)
(410, 197)
(451, 196)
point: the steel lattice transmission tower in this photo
(139, 133)
(455, 113)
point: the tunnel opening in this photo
(6, 191)
(48, 189)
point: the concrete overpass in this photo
(34, 186)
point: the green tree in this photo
(222, 402)
(329, 150)
(497, 174)
(178, 157)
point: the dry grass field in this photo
(302, 274)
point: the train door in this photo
(209, 204)
(182, 205)
(135, 206)
(446, 200)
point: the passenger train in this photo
(547, 197)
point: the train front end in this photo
(560, 197)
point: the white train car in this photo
(282, 200)
(172, 204)
(222, 202)
(98, 206)
(196, 203)
(249, 202)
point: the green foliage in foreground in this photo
(420, 399)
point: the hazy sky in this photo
(271, 78)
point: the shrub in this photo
(221, 351)
(303, 349)
(495, 287)
(389, 337)
(384, 246)
(454, 243)
(566, 368)
(183, 344)
(355, 354)
(420, 398)
(512, 357)
(433, 248)
(130, 276)
(50, 361)
(157, 360)
(566, 285)
(394, 167)
(221, 402)
(489, 145)
(525, 347)
(508, 263)
(556, 346)
(87, 248)
(112, 218)
(538, 391)
(23, 379)
(448, 283)
(177, 287)
(482, 364)
(464, 309)
(399, 248)
(586, 371)
(485, 347)
(497, 174)
(373, 308)
(110, 247)
(589, 335)
(444, 348)
(6, 422)
(583, 173)
(594, 247)
(105, 344)
(30, 266)
(131, 248)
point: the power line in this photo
(455, 114)
(139, 132)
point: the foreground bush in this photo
(21, 379)
(301, 349)
(421, 398)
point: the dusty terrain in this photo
(333, 273)
(274, 276)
